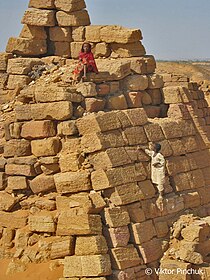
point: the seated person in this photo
(86, 63)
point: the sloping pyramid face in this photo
(59, 27)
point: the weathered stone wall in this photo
(80, 190)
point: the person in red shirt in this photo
(86, 63)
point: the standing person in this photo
(157, 167)
(86, 63)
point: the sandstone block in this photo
(177, 147)
(136, 116)
(136, 213)
(136, 82)
(161, 228)
(117, 102)
(94, 104)
(125, 257)
(79, 201)
(70, 223)
(174, 204)
(41, 4)
(16, 147)
(22, 66)
(191, 200)
(41, 222)
(17, 219)
(21, 238)
(17, 183)
(77, 18)
(92, 33)
(101, 50)
(135, 135)
(70, 6)
(98, 265)
(87, 89)
(71, 182)
(198, 231)
(155, 81)
(33, 32)
(62, 110)
(117, 237)
(62, 247)
(27, 170)
(23, 112)
(119, 34)
(91, 245)
(171, 129)
(153, 132)
(26, 47)
(38, 129)
(39, 17)
(176, 94)
(128, 50)
(151, 250)
(190, 144)
(6, 201)
(116, 217)
(70, 161)
(97, 141)
(62, 34)
(177, 266)
(110, 158)
(67, 128)
(143, 232)
(138, 65)
(113, 177)
(78, 34)
(133, 99)
(99, 122)
(45, 147)
(110, 70)
(120, 195)
(4, 57)
(42, 183)
(54, 93)
(15, 81)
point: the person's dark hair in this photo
(86, 43)
(157, 147)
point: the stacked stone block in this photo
(60, 27)
(191, 236)
(95, 186)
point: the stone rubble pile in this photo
(188, 250)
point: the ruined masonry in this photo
(73, 187)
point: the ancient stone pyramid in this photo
(58, 28)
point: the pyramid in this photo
(59, 28)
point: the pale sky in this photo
(172, 29)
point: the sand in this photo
(34, 272)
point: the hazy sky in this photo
(172, 29)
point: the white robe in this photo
(157, 167)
